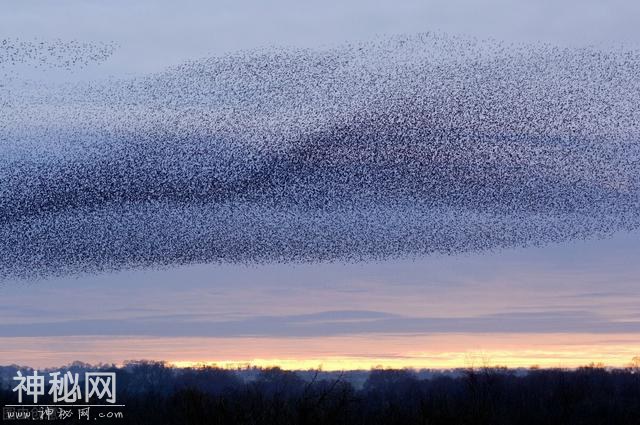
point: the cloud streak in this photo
(328, 323)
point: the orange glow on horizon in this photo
(446, 361)
(440, 351)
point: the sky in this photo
(562, 304)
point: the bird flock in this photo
(53, 53)
(398, 147)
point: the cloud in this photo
(328, 323)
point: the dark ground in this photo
(156, 394)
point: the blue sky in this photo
(583, 287)
(588, 288)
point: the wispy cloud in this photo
(329, 323)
